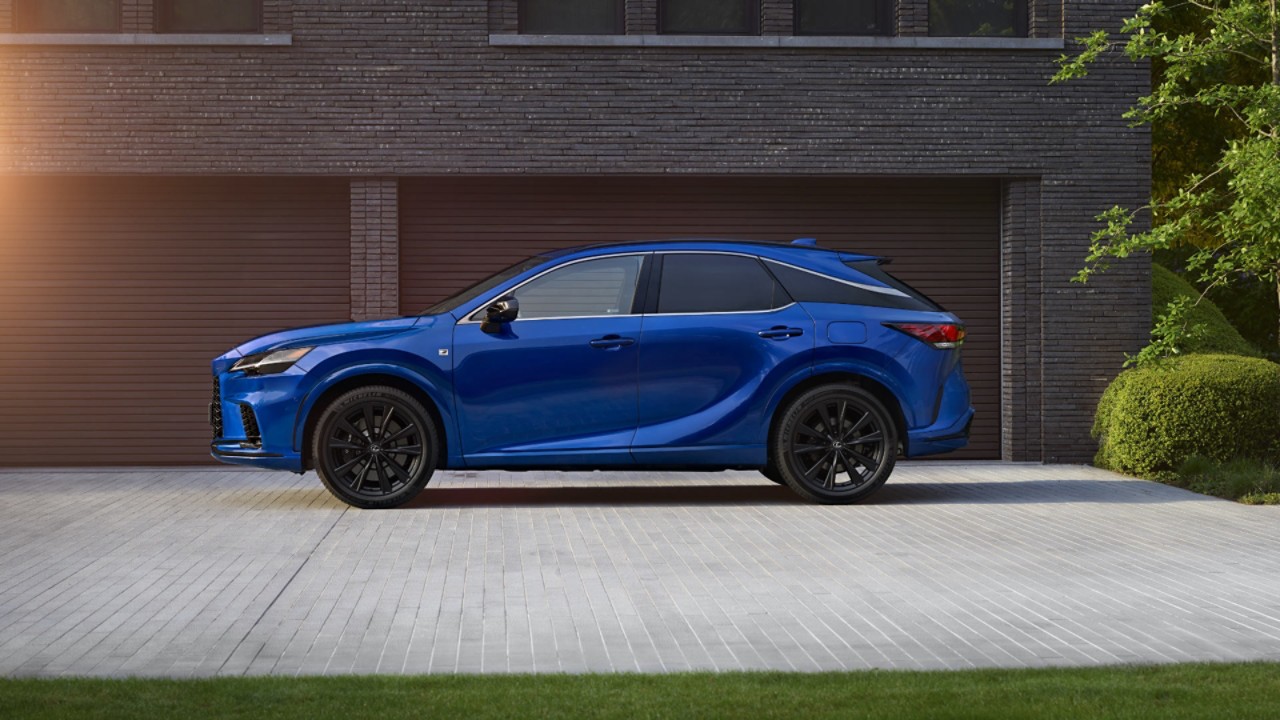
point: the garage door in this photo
(943, 237)
(115, 294)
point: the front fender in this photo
(429, 379)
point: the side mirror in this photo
(502, 311)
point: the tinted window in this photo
(805, 286)
(842, 17)
(67, 15)
(963, 18)
(207, 16)
(570, 17)
(606, 286)
(717, 283)
(709, 17)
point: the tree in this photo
(1226, 64)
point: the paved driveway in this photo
(206, 572)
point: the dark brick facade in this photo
(376, 90)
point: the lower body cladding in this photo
(257, 422)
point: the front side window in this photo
(842, 17)
(693, 283)
(74, 16)
(591, 288)
(571, 17)
(709, 17)
(208, 16)
(978, 18)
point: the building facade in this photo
(179, 175)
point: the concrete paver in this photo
(212, 571)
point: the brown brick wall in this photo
(777, 17)
(375, 248)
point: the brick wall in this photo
(388, 88)
(375, 248)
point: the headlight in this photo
(273, 361)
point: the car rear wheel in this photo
(835, 444)
(375, 447)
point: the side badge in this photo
(443, 352)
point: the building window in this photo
(709, 17)
(843, 17)
(209, 16)
(974, 18)
(74, 16)
(571, 17)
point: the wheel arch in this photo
(320, 397)
(872, 385)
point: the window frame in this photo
(1021, 22)
(163, 13)
(619, 11)
(752, 8)
(475, 316)
(885, 26)
(19, 24)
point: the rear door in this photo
(717, 341)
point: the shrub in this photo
(1153, 417)
(1218, 336)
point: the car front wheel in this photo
(375, 447)
(835, 444)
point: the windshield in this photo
(471, 293)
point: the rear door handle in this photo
(780, 332)
(611, 342)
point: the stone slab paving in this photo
(199, 572)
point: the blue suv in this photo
(814, 366)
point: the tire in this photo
(375, 447)
(772, 472)
(834, 468)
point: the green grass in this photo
(1165, 692)
(1252, 482)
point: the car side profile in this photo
(814, 366)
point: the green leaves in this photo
(1221, 66)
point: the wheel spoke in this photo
(384, 482)
(839, 431)
(803, 429)
(399, 434)
(806, 448)
(862, 421)
(810, 472)
(831, 473)
(364, 471)
(406, 450)
(867, 462)
(827, 421)
(344, 445)
(874, 437)
(849, 468)
(344, 467)
(367, 412)
(386, 421)
(398, 471)
(351, 430)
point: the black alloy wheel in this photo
(835, 444)
(375, 447)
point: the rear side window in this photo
(693, 283)
(806, 286)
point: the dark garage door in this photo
(115, 294)
(942, 235)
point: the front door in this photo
(558, 384)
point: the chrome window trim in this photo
(861, 286)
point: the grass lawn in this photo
(1252, 482)
(1167, 692)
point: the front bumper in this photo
(268, 401)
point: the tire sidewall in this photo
(780, 454)
(403, 402)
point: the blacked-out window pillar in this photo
(978, 18)
(66, 16)
(572, 17)
(208, 16)
(709, 17)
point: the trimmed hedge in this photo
(1222, 407)
(1219, 337)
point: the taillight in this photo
(943, 336)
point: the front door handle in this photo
(611, 342)
(780, 332)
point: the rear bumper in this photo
(940, 439)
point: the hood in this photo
(325, 334)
